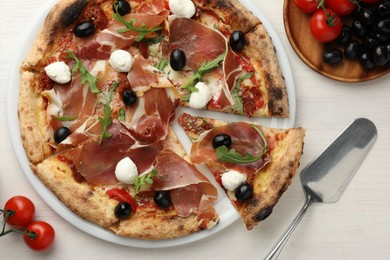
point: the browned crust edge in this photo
(262, 53)
(231, 12)
(61, 15)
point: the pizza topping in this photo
(122, 6)
(123, 210)
(244, 192)
(182, 8)
(86, 76)
(84, 29)
(232, 179)
(201, 97)
(58, 72)
(143, 181)
(55, 106)
(121, 60)
(237, 40)
(246, 140)
(162, 199)
(126, 171)
(186, 183)
(61, 134)
(177, 60)
(222, 140)
(129, 97)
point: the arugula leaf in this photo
(162, 64)
(142, 31)
(232, 156)
(145, 179)
(238, 105)
(65, 118)
(85, 75)
(122, 115)
(203, 69)
(106, 121)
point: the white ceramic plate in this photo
(226, 212)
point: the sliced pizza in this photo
(254, 164)
(166, 197)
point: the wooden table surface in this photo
(356, 227)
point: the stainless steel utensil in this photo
(326, 177)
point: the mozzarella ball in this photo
(126, 170)
(182, 8)
(232, 179)
(121, 60)
(59, 72)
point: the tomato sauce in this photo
(252, 100)
(76, 174)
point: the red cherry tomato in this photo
(371, 1)
(44, 235)
(122, 196)
(325, 28)
(24, 211)
(341, 7)
(306, 6)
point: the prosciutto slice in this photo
(188, 186)
(96, 162)
(245, 139)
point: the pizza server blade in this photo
(328, 175)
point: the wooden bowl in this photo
(296, 24)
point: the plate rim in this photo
(12, 94)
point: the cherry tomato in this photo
(122, 196)
(371, 1)
(306, 6)
(341, 7)
(24, 211)
(325, 28)
(44, 235)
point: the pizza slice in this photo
(166, 197)
(252, 163)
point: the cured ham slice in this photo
(144, 76)
(113, 38)
(96, 161)
(188, 186)
(148, 122)
(200, 43)
(245, 139)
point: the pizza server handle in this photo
(326, 177)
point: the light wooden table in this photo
(357, 227)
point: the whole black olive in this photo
(358, 28)
(369, 43)
(345, 35)
(222, 139)
(352, 50)
(84, 29)
(237, 40)
(383, 26)
(129, 97)
(388, 50)
(366, 61)
(380, 55)
(123, 210)
(177, 60)
(244, 192)
(365, 16)
(61, 134)
(123, 7)
(332, 56)
(383, 8)
(162, 199)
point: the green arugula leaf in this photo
(65, 118)
(142, 31)
(145, 179)
(232, 156)
(85, 75)
(203, 69)
(122, 115)
(162, 64)
(238, 105)
(106, 121)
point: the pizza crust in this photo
(262, 54)
(32, 118)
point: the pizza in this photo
(98, 94)
(254, 164)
